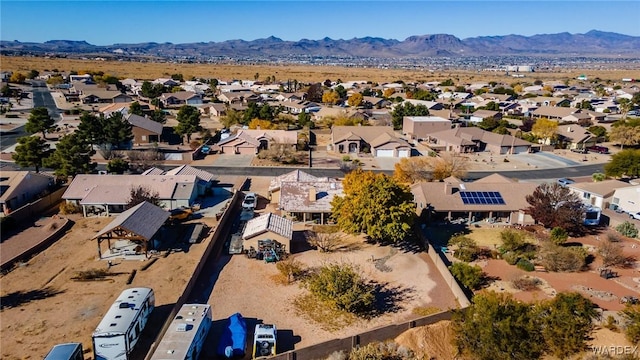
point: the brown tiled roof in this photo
(366, 133)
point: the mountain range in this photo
(592, 43)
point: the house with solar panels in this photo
(493, 199)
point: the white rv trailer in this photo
(119, 330)
(186, 334)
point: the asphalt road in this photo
(42, 98)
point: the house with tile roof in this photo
(597, 193)
(145, 131)
(204, 181)
(494, 198)
(180, 98)
(293, 176)
(380, 141)
(18, 188)
(268, 227)
(474, 139)
(419, 127)
(252, 141)
(108, 194)
(575, 137)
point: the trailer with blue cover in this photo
(233, 341)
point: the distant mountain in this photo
(593, 43)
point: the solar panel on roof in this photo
(481, 198)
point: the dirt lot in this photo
(43, 306)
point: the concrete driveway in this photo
(234, 160)
(387, 163)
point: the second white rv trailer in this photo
(186, 334)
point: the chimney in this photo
(568, 128)
(448, 188)
(312, 194)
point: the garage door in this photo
(403, 153)
(384, 153)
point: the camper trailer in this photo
(186, 334)
(119, 330)
(69, 351)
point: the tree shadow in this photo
(388, 298)
(18, 298)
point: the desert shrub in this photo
(611, 253)
(611, 323)
(613, 237)
(426, 310)
(512, 240)
(290, 268)
(511, 257)
(467, 248)
(559, 235)
(346, 158)
(470, 276)
(281, 153)
(117, 166)
(631, 316)
(526, 283)
(563, 259)
(627, 229)
(325, 240)
(342, 286)
(381, 351)
(66, 208)
(525, 265)
(91, 274)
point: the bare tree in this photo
(140, 194)
(449, 164)
(326, 240)
(611, 253)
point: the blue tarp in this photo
(234, 337)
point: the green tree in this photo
(188, 121)
(177, 77)
(555, 206)
(496, 326)
(343, 287)
(407, 109)
(91, 129)
(150, 90)
(33, 74)
(72, 156)
(31, 151)
(467, 249)
(117, 166)
(631, 316)
(158, 116)
(559, 235)
(566, 323)
(470, 276)
(117, 131)
(136, 109)
(266, 112)
(304, 119)
(625, 135)
(39, 121)
(598, 131)
(6, 91)
(376, 205)
(342, 92)
(447, 82)
(627, 229)
(251, 112)
(624, 163)
(597, 177)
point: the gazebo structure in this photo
(138, 224)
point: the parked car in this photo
(565, 181)
(180, 214)
(580, 151)
(635, 215)
(250, 201)
(598, 149)
(634, 113)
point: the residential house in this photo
(309, 200)
(166, 82)
(293, 176)
(18, 188)
(479, 115)
(420, 127)
(575, 137)
(291, 97)
(213, 109)
(374, 102)
(242, 97)
(627, 198)
(268, 227)
(431, 105)
(180, 98)
(252, 141)
(597, 193)
(111, 193)
(103, 96)
(493, 199)
(553, 112)
(298, 107)
(145, 131)
(380, 141)
(233, 88)
(473, 139)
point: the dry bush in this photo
(381, 350)
(425, 310)
(66, 208)
(526, 283)
(611, 253)
(562, 259)
(91, 274)
(142, 160)
(290, 269)
(325, 240)
(282, 153)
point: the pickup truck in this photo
(635, 215)
(598, 149)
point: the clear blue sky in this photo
(110, 22)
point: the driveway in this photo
(233, 160)
(545, 160)
(387, 163)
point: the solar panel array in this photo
(481, 198)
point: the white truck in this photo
(264, 341)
